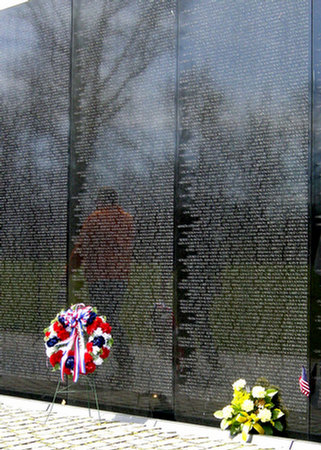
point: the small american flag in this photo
(304, 384)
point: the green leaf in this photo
(235, 429)
(271, 392)
(278, 425)
(218, 414)
(269, 405)
(267, 429)
(277, 413)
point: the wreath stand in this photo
(91, 388)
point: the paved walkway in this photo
(22, 427)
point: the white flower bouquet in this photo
(252, 409)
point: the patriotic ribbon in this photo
(76, 319)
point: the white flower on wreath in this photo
(248, 405)
(96, 349)
(227, 412)
(50, 351)
(52, 332)
(264, 415)
(98, 361)
(239, 384)
(258, 392)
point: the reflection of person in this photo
(104, 249)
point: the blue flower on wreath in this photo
(52, 342)
(99, 341)
(91, 318)
(62, 321)
(70, 361)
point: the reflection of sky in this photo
(17, 43)
(35, 103)
(143, 133)
(249, 47)
(257, 53)
(250, 50)
(317, 108)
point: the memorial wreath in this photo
(77, 341)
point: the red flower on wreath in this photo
(105, 353)
(106, 328)
(89, 347)
(67, 371)
(89, 362)
(62, 333)
(93, 326)
(57, 326)
(55, 358)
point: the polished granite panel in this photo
(156, 164)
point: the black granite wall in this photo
(197, 114)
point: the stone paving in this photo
(26, 430)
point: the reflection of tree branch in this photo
(132, 42)
(135, 48)
(118, 107)
(47, 30)
(99, 97)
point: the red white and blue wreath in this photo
(77, 341)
